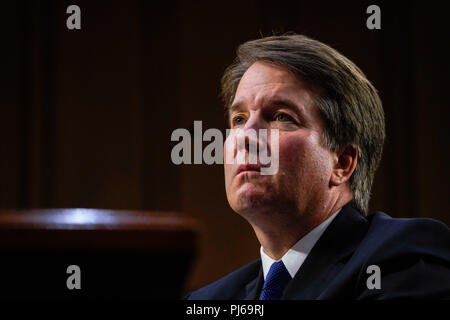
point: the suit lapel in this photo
(253, 288)
(324, 261)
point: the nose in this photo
(255, 122)
(251, 139)
(250, 130)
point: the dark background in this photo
(86, 115)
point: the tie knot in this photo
(275, 282)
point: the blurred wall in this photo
(86, 116)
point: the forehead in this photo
(263, 82)
(262, 73)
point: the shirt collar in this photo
(295, 256)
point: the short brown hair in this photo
(348, 102)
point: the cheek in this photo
(227, 148)
(303, 156)
(227, 174)
(292, 150)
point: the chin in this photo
(251, 199)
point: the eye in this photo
(283, 117)
(238, 120)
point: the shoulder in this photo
(406, 233)
(412, 254)
(230, 286)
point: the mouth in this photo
(248, 168)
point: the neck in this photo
(281, 231)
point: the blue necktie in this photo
(276, 281)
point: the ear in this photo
(344, 164)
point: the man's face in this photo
(270, 97)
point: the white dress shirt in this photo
(294, 258)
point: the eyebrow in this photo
(234, 107)
(277, 101)
(285, 103)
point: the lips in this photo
(248, 167)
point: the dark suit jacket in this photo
(412, 254)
